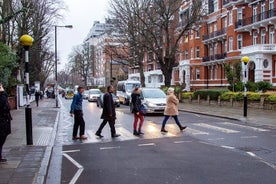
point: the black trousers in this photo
(78, 122)
(2, 141)
(111, 124)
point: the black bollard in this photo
(29, 126)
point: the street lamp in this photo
(27, 41)
(245, 60)
(56, 75)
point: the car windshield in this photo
(95, 92)
(86, 92)
(153, 93)
(131, 86)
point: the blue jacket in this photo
(76, 103)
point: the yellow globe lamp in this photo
(245, 59)
(26, 40)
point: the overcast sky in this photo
(81, 14)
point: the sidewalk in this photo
(257, 117)
(28, 163)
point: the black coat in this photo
(5, 116)
(108, 107)
(136, 102)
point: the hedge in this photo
(212, 93)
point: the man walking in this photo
(76, 110)
(108, 114)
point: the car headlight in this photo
(149, 104)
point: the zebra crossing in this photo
(152, 131)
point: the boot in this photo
(163, 130)
(135, 132)
(140, 132)
(182, 128)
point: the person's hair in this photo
(108, 87)
(135, 89)
(170, 90)
(79, 88)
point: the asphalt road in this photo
(210, 150)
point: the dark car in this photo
(100, 100)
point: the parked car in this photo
(93, 95)
(153, 99)
(69, 94)
(115, 99)
(85, 94)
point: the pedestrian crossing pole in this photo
(245, 60)
(27, 41)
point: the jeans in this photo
(175, 119)
(2, 141)
(78, 122)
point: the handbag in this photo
(143, 110)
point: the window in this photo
(239, 41)
(255, 38)
(149, 79)
(225, 22)
(225, 46)
(197, 52)
(211, 52)
(263, 33)
(160, 78)
(254, 17)
(215, 5)
(263, 11)
(271, 8)
(216, 72)
(215, 27)
(239, 16)
(186, 54)
(215, 49)
(197, 74)
(192, 52)
(197, 34)
(271, 35)
(230, 43)
(230, 17)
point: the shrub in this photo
(213, 93)
(251, 86)
(271, 98)
(226, 96)
(186, 95)
(264, 86)
(253, 96)
(239, 86)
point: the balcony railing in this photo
(262, 48)
(256, 18)
(215, 57)
(225, 2)
(215, 34)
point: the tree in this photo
(154, 26)
(233, 74)
(7, 64)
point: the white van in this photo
(124, 90)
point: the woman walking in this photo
(137, 104)
(5, 120)
(171, 110)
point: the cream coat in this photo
(171, 106)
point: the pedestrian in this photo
(137, 111)
(77, 112)
(108, 113)
(5, 120)
(37, 95)
(171, 110)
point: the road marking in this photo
(247, 127)
(216, 139)
(225, 130)
(70, 151)
(80, 168)
(109, 148)
(125, 134)
(251, 154)
(196, 132)
(148, 144)
(181, 142)
(248, 137)
(228, 147)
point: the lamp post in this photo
(56, 75)
(245, 60)
(27, 41)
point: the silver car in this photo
(154, 100)
(93, 95)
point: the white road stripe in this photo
(196, 132)
(180, 142)
(247, 127)
(148, 144)
(109, 148)
(248, 137)
(228, 147)
(225, 130)
(80, 168)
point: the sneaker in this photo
(163, 130)
(99, 135)
(3, 160)
(182, 128)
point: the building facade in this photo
(229, 30)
